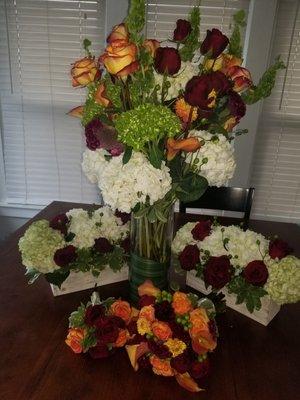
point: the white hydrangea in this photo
(83, 227)
(109, 226)
(178, 81)
(219, 153)
(123, 186)
(183, 238)
(213, 242)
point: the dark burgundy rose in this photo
(217, 272)
(182, 30)
(199, 370)
(107, 331)
(201, 91)
(179, 332)
(167, 60)
(102, 136)
(236, 105)
(189, 257)
(159, 349)
(137, 339)
(103, 246)
(279, 249)
(59, 223)
(146, 300)
(213, 329)
(214, 43)
(164, 311)
(132, 328)
(99, 351)
(93, 314)
(182, 363)
(144, 362)
(65, 256)
(125, 217)
(119, 322)
(201, 230)
(256, 273)
(125, 244)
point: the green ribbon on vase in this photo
(142, 269)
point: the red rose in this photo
(182, 30)
(93, 314)
(256, 273)
(103, 246)
(217, 272)
(125, 217)
(59, 223)
(182, 363)
(189, 257)
(214, 43)
(279, 249)
(202, 91)
(65, 256)
(144, 362)
(236, 105)
(125, 244)
(159, 349)
(201, 230)
(107, 331)
(146, 300)
(99, 351)
(199, 369)
(167, 60)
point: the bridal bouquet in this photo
(246, 263)
(79, 240)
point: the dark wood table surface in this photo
(252, 362)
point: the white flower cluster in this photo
(178, 81)
(102, 223)
(125, 185)
(219, 154)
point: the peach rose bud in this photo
(74, 339)
(241, 78)
(84, 71)
(119, 32)
(151, 45)
(76, 112)
(147, 288)
(187, 382)
(135, 351)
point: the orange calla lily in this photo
(100, 94)
(187, 382)
(135, 351)
(76, 112)
(188, 145)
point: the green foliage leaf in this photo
(89, 340)
(265, 84)
(57, 277)
(191, 187)
(69, 237)
(86, 44)
(156, 155)
(235, 47)
(135, 20)
(192, 41)
(127, 155)
(115, 259)
(76, 319)
(32, 275)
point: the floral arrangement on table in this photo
(160, 120)
(246, 263)
(79, 240)
(171, 334)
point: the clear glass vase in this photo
(150, 251)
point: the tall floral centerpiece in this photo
(159, 123)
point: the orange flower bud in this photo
(184, 111)
(161, 367)
(188, 145)
(181, 303)
(148, 288)
(187, 382)
(151, 45)
(118, 32)
(84, 71)
(161, 330)
(74, 339)
(241, 78)
(121, 309)
(99, 96)
(76, 112)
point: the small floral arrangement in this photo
(99, 328)
(173, 335)
(79, 240)
(248, 264)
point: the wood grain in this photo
(252, 362)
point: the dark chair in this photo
(225, 199)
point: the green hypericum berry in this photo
(186, 328)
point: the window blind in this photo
(39, 39)
(276, 163)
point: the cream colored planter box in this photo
(77, 281)
(268, 307)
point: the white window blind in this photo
(276, 163)
(39, 39)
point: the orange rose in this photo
(119, 32)
(119, 58)
(203, 342)
(241, 78)
(100, 96)
(76, 112)
(74, 339)
(161, 367)
(151, 45)
(189, 145)
(181, 303)
(161, 330)
(121, 309)
(84, 71)
(147, 288)
(199, 321)
(187, 382)
(122, 338)
(148, 313)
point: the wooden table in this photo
(252, 362)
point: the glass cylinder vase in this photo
(150, 251)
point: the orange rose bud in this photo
(185, 112)
(229, 61)
(187, 382)
(230, 123)
(161, 367)
(241, 78)
(74, 339)
(100, 94)
(84, 71)
(181, 303)
(121, 309)
(148, 288)
(76, 112)
(135, 351)
(122, 338)
(188, 145)
(161, 330)
(148, 313)
(151, 45)
(203, 342)
(119, 32)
